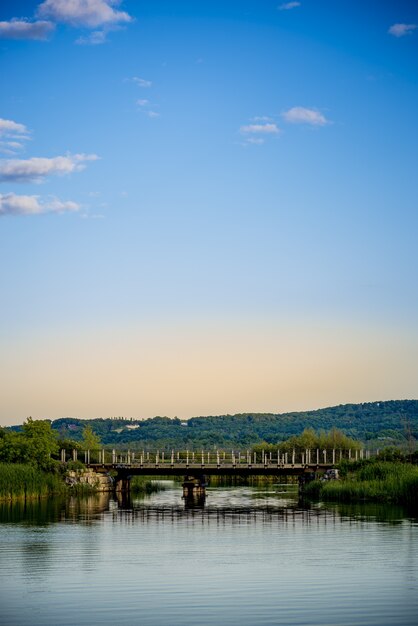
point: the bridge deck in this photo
(209, 469)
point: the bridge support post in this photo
(122, 484)
(194, 486)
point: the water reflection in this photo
(254, 557)
(387, 513)
(194, 501)
(47, 511)
(278, 500)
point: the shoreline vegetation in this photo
(30, 466)
(374, 480)
(141, 485)
(24, 481)
(20, 481)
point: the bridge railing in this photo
(219, 458)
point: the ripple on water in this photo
(249, 557)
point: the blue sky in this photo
(188, 187)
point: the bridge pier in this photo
(122, 484)
(194, 486)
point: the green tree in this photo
(41, 442)
(13, 447)
(90, 440)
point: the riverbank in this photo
(370, 481)
(20, 481)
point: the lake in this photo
(247, 556)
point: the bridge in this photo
(195, 467)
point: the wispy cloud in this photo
(9, 128)
(302, 115)
(10, 148)
(141, 82)
(145, 105)
(25, 29)
(85, 13)
(262, 118)
(258, 141)
(286, 6)
(12, 136)
(36, 169)
(257, 133)
(96, 38)
(263, 129)
(13, 204)
(400, 30)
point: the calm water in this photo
(249, 557)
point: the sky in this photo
(207, 207)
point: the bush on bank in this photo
(372, 481)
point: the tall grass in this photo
(372, 482)
(141, 485)
(25, 481)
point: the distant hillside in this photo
(380, 423)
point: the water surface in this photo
(245, 556)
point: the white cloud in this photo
(16, 145)
(24, 29)
(141, 82)
(12, 135)
(12, 204)
(400, 30)
(89, 13)
(95, 38)
(286, 6)
(8, 128)
(265, 129)
(36, 168)
(301, 115)
(142, 102)
(153, 114)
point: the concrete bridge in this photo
(195, 467)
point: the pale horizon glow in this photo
(182, 371)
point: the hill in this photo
(377, 423)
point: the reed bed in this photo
(372, 482)
(25, 481)
(141, 485)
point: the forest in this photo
(377, 424)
